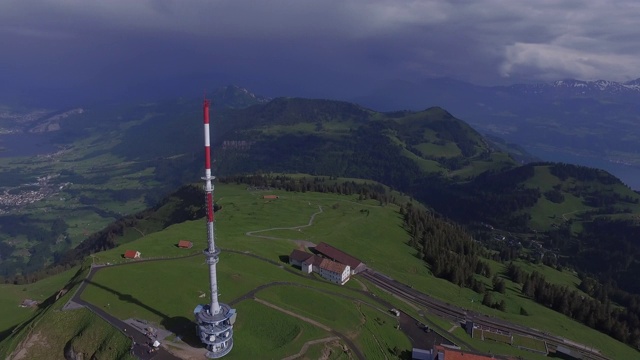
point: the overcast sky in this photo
(79, 48)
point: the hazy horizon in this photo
(70, 51)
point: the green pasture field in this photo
(265, 333)
(476, 167)
(488, 335)
(164, 290)
(568, 278)
(86, 332)
(378, 334)
(141, 296)
(380, 241)
(82, 219)
(11, 314)
(377, 238)
(337, 313)
(337, 126)
(372, 327)
(90, 331)
(286, 129)
(425, 165)
(572, 206)
(237, 275)
(449, 149)
(529, 343)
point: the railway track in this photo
(458, 314)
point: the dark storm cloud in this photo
(313, 45)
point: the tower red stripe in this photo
(207, 158)
(210, 207)
(206, 111)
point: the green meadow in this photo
(265, 333)
(11, 296)
(82, 330)
(167, 290)
(48, 330)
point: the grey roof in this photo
(299, 255)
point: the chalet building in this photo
(334, 271)
(185, 244)
(270, 197)
(326, 268)
(132, 254)
(334, 254)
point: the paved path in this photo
(139, 346)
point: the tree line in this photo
(622, 324)
(448, 249)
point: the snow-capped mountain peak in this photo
(572, 87)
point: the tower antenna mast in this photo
(215, 320)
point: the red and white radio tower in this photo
(215, 320)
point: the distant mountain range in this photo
(571, 87)
(592, 123)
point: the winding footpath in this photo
(299, 227)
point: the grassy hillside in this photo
(122, 165)
(166, 291)
(48, 332)
(347, 140)
(11, 296)
(121, 159)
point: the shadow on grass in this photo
(284, 259)
(179, 325)
(4, 334)
(400, 354)
(127, 298)
(559, 355)
(184, 328)
(54, 297)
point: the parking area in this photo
(420, 336)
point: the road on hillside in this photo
(141, 343)
(460, 315)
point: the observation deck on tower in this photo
(215, 330)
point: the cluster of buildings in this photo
(16, 197)
(330, 263)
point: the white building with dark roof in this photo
(326, 268)
(340, 256)
(334, 271)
